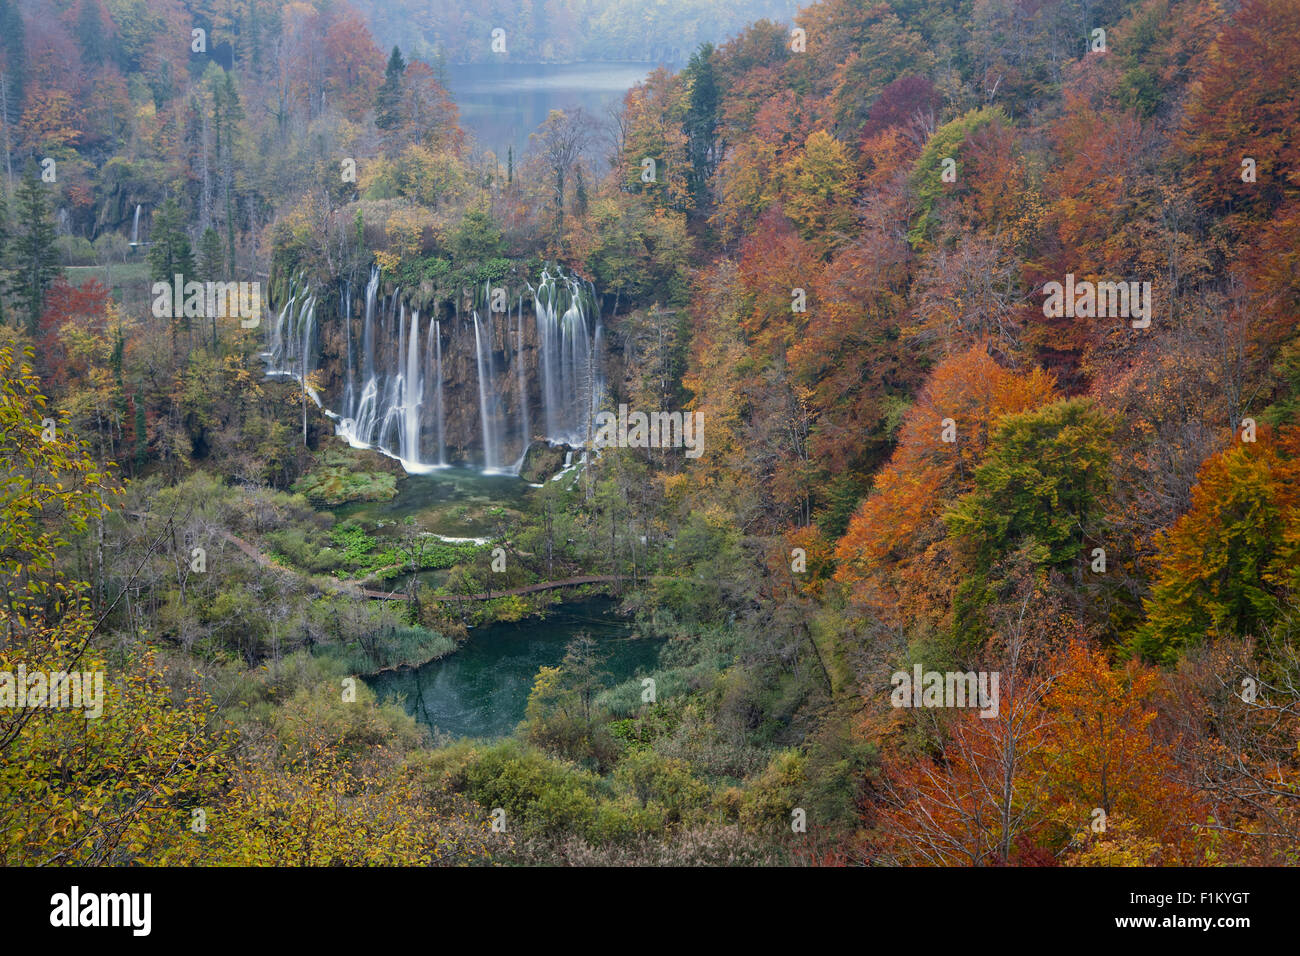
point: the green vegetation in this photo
(335, 481)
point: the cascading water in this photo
(476, 389)
(412, 395)
(347, 321)
(486, 398)
(569, 347)
(360, 400)
(525, 429)
(293, 351)
(436, 340)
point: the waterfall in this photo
(486, 392)
(357, 425)
(306, 327)
(525, 429)
(409, 386)
(135, 227)
(412, 395)
(347, 322)
(293, 349)
(569, 357)
(442, 414)
(368, 343)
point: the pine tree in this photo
(36, 262)
(15, 55)
(701, 124)
(91, 36)
(169, 250)
(211, 256)
(389, 99)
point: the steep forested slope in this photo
(989, 312)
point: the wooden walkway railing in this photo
(488, 595)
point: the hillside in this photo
(963, 508)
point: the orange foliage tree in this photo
(894, 556)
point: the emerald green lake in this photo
(481, 690)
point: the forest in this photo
(984, 546)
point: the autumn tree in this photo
(427, 111)
(817, 190)
(895, 556)
(655, 159)
(1039, 491)
(1237, 723)
(110, 783)
(558, 143)
(1243, 106)
(353, 63)
(1226, 565)
(115, 788)
(1103, 761)
(931, 175)
(560, 714)
(983, 802)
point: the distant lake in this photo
(501, 103)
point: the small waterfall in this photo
(401, 383)
(135, 227)
(394, 391)
(486, 397)
(569, 357)
(442, 413)
(306, 351)
(412, 395)
(360, 407)
(368, 342)
(293, 350)
(347, 329)
(525, 429)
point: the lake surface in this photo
(453, 502)
(501, 103)
(481, 690)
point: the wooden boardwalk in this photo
(488, 595)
